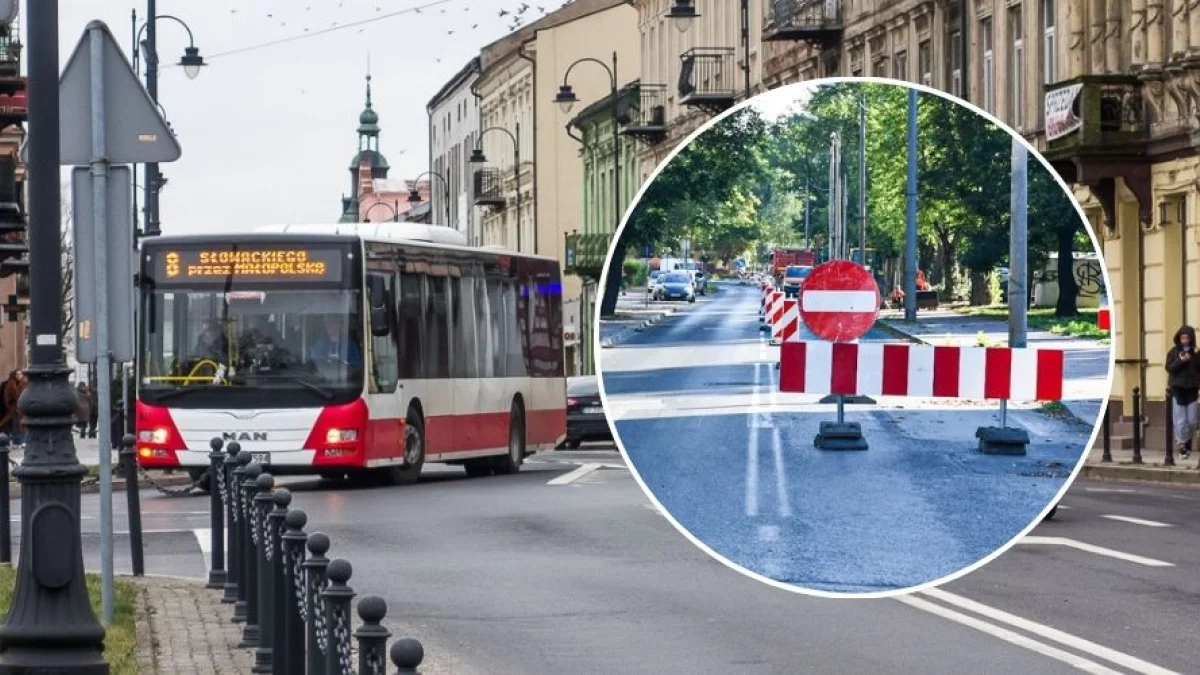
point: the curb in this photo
(1153, 474)
(118, 485)
(637, 328)
(896, 332)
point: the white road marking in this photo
(204, 538)
(571, 477)
(1098, 550)
(752, 449)
(1137, 521)
(1074, 642)
(1007, 635)
(768, 532)
(781, 487)
(1117, 490)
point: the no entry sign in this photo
(839, 301)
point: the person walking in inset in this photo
(1184, 382)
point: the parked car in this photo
(652, 281)
(585, 412)
(793, 279)
(700, 281)
(676, 286)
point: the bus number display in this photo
(267, 264)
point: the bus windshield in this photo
(215, 335)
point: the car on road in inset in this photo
(793, 279)
(585, 412)
(652, 280)
(676, 286)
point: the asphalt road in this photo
(696, 406)
(516, 574)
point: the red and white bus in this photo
(346, 350)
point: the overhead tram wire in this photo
(354, 24)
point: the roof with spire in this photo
(368, 119)
(368, 131)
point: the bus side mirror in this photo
(380, 308)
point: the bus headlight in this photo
(158, 435)
(341, 435)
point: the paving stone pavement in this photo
(188, 629)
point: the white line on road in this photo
(204, 538)
(1137, 521)
(571, 477)
(752, 449)
(1008, 635)
(781, 487)
(1073, 641)
(1111, 490)
(1098, 550)
(768, 532)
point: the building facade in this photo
(605, 199)
(453, 130)
(506, 135)
(14, 259)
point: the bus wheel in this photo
(414, 452)
(511, 462)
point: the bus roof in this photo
(407, 233)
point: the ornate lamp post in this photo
(395, 211)
(683, 12)
(50, 627)
(192, 62)
(477, 157)
(414, 196)
(566, 99)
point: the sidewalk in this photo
(632, 316)
(88, 452)
(1085, 370)
(1151, 468)
(183, 629)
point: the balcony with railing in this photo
(646, 120)
(489, 188)
(13, 100)
(585, 253)
(815, 21)
(1095, 115)
(706, 78)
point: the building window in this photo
(881, 67)
(987, 83)
(1016, 67)
(955, 61)
(1049, 50)
(900, 66)
(925, 62)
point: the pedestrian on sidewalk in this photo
(93, 408)
(13, 420)
(1184, 382)
(83, 408)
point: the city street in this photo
(920, 504)
(520, 575)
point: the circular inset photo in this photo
(867, 357)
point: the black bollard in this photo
(133, 502)
(1107, 431)
(281, 498)
(239, 534)
(263, 501)
(5, 502)
(372, 637)
(336, 607)
(315, 583)
(216, 489)
(294, 615)
(250, 631)
(407, 655)
(1169, 425)
(1137, 425)
(229, 495)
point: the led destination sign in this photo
(258, 264)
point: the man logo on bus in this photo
(244, 435)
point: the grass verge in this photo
(1082, 325)
(120, 638)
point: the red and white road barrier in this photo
(788, 328)
(775, 307)
(924, 371)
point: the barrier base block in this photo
(848, 398)
(1002, 440)
(843, 436)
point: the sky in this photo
(776, 102)
(268, 133)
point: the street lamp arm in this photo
(433, 173)
(479, 141)
(612, 77)
(191, 40)
(372, 208)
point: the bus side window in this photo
(384, 350)
(410, 317)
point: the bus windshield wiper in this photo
(175, 393)
(318, 389)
